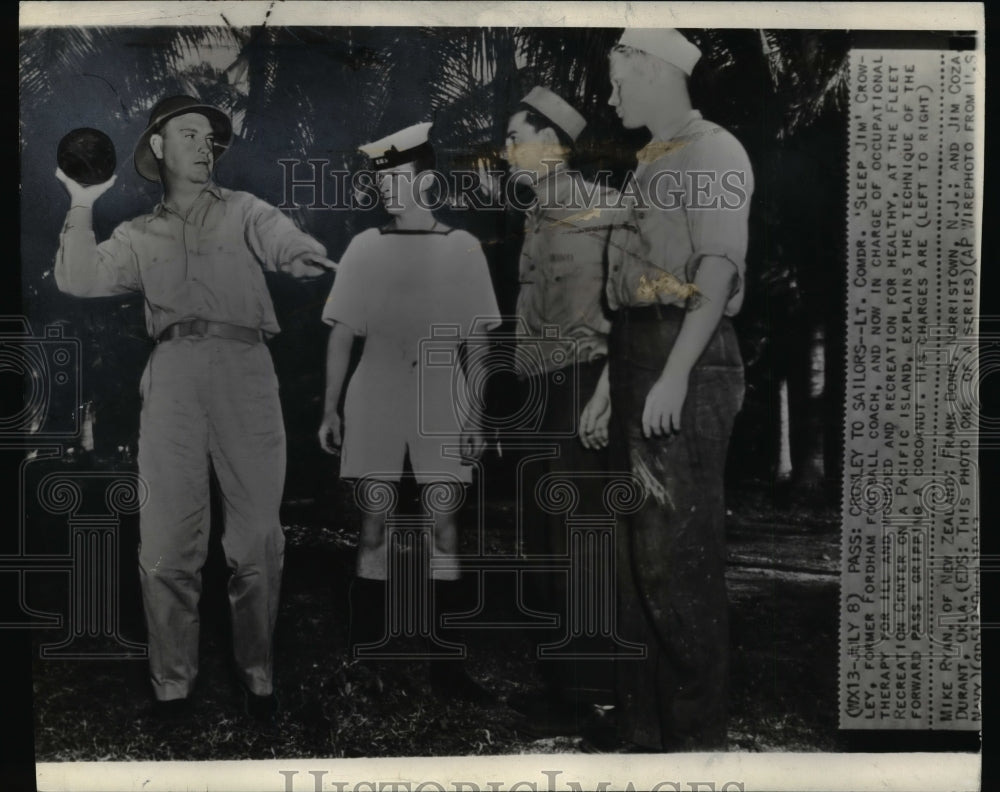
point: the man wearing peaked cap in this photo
(409, 145)
(557, 110)
(395, 286)
(209, 393)
(675, 278)
(561, 352)
(543, 136)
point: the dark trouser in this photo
(671, 552)
(545, 533)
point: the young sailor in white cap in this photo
(395, 285)
(561, 352)
(667, 44)
(675, 277)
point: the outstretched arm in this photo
(282, 246)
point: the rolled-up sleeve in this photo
(84, 268)
(346, 303)
(718, 189)
(474, 300)
(275, 238)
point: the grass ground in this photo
(783, 592)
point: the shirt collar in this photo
(560, 182)
(216, 190)
(669, 141)
(212, 189)
(674, 130)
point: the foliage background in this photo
(315, 93)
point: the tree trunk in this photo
(784, 471)
(810, 468)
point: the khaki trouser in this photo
(210, 400)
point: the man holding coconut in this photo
(209, 392)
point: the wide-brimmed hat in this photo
(145, 161)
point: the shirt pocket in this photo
(226, 255)
(162, 264)
(577, 284)
(527, 269)
(564, 268)
(233, 274)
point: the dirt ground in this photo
(782, 580)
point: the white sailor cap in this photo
(664, 43)
(557, 110)
(406, 145)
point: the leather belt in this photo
(641, 314)
(650, 313)
(202, 328)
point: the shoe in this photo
(532, 703)
(551, 726)
(603, 739)
(388, 676)
(449, 680)
(262, 709)
(588, 747)
(557, 719)
(171, 711)
(367, 613)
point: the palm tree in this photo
(798, 82)
(315, 93)
(108, 78)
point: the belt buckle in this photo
(199, 328)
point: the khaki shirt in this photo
(560, 303)
(209, 265)
(690, 198)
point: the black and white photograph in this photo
(498, 396)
